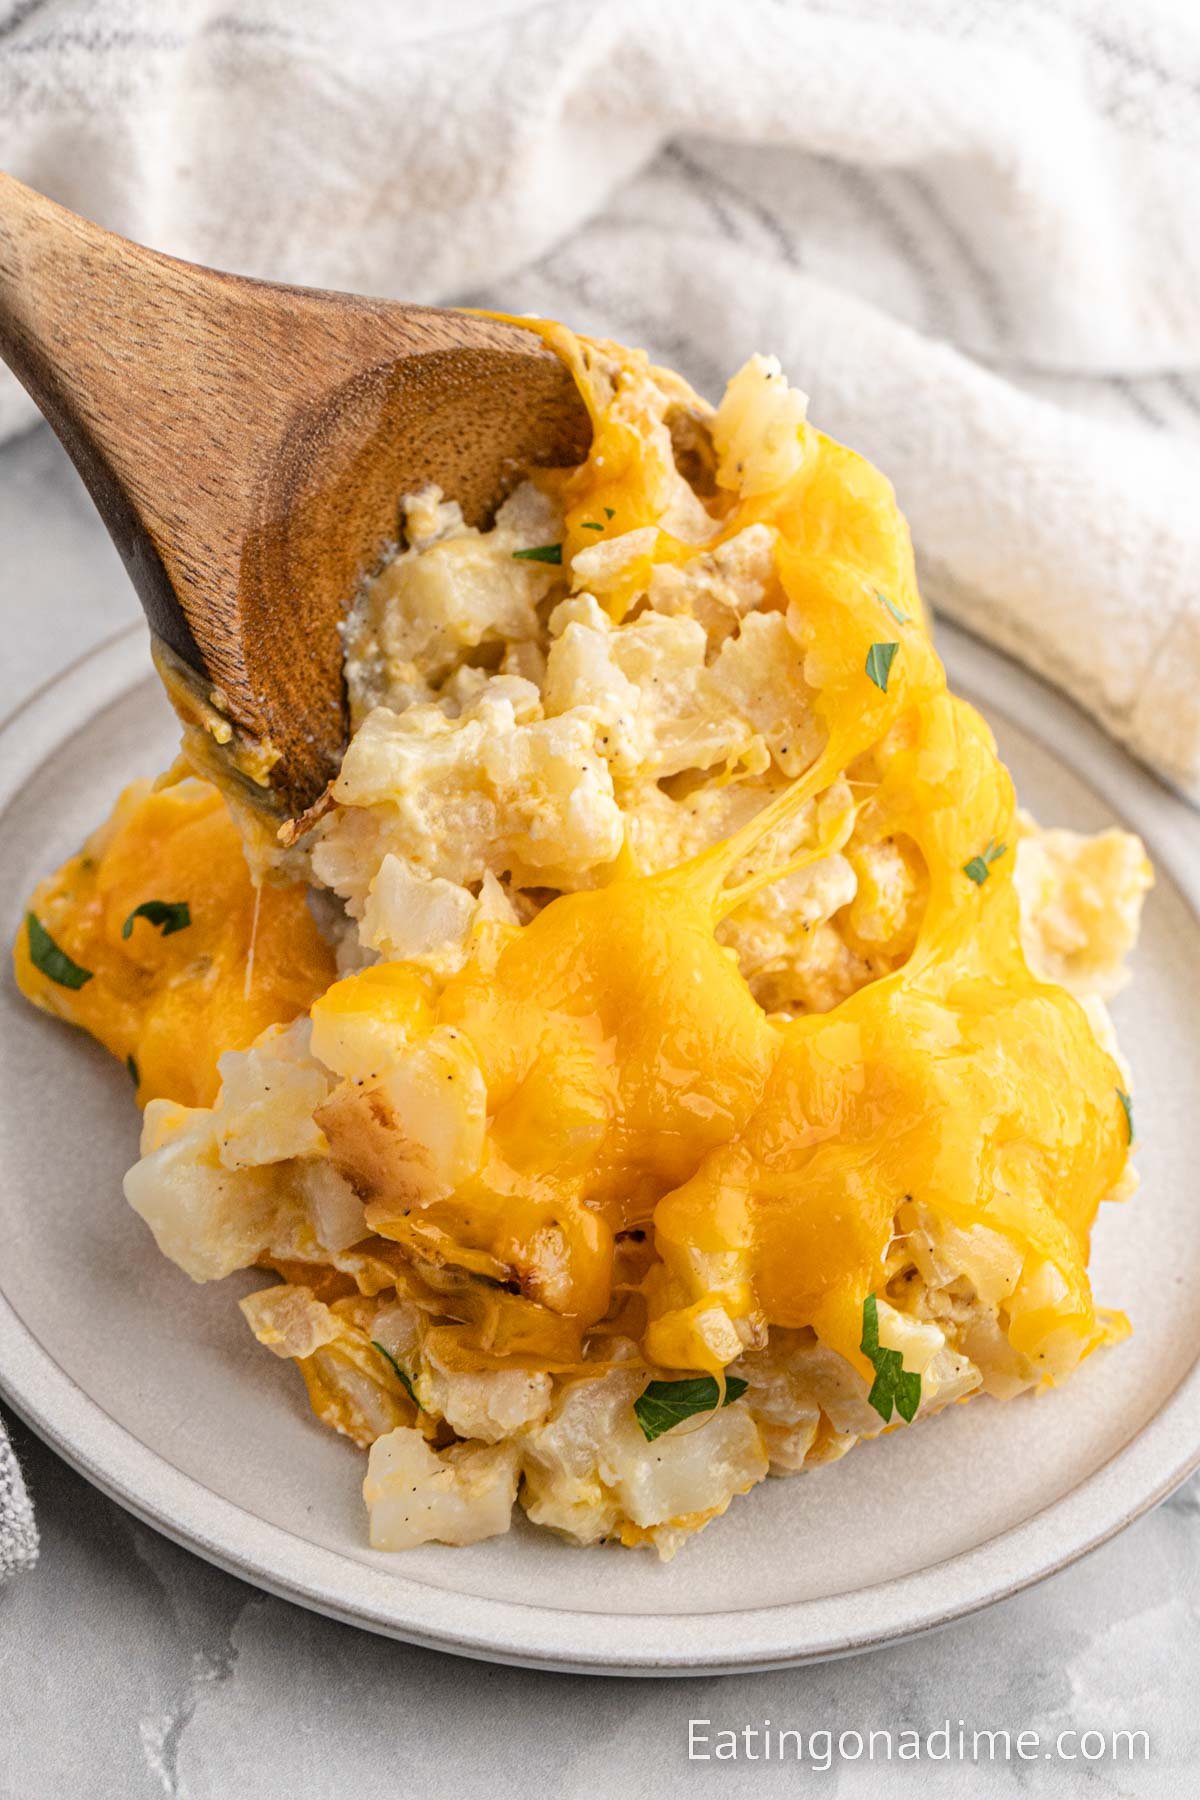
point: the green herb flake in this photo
(880, 658)
(131, 1065)
(665, 1404)
(591, 525)
(901, 618)
(610, 512)
(169, 915)
(53, 962)
(543, 553)
(401, 1375)
(1127, 1106)
(979, 867)
(894, 1385)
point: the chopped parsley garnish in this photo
(979, 867)
(894, 1385)
(610, 512)
(169, 915)
(401, 1375)
(53, 962)
(901, 618)
(131, 1065)
(1127, 1104)
(547, 553)
(591, 525)
(880, 658)
(665, 1404)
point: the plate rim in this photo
(1129, 1483)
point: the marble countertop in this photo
(130, 1669)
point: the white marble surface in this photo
(129, 1668)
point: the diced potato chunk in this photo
(415, 1495)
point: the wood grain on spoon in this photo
(247, 445)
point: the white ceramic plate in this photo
(154, 1389)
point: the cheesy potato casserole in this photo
(665, 1056)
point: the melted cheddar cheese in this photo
(171, 1004)
(631, 1080)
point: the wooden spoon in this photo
(247, 445)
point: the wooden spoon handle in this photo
(78, 309)
(247, 444)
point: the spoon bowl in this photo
(247, 445)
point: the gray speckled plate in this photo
(154, 1389)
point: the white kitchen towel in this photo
(18, 1534)
(970, 228)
